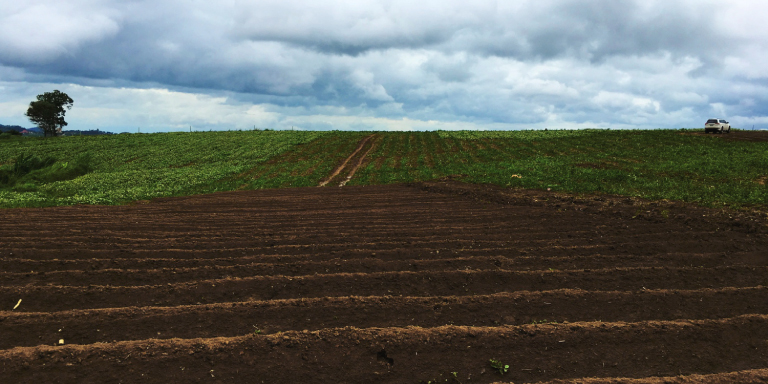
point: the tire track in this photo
(344, 164)
(357, 165)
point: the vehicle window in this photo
(711, 121)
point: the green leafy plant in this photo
(29, 171)
(649, 164)
(499, 366)
(26, 163)
(125, 168)
(23, 165)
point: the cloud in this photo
(482, 63)
(42, 31)
(352, 27)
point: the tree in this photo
(48, 111)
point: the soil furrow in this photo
(360, 236)
(113, 276)
(118, 272)
(397, 355)
(749, 376)
(351, 235)
(136, 323)
(511, 248)
(397, 259)
(447, 283)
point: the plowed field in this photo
(385, 284)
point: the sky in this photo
(175, 65)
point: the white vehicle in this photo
(717, 125)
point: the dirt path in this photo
(386, 284)
(343, 165)
(357, 165)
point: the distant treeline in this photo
(6, 128)
(37, 131)
(90, 132)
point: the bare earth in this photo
(386, 284)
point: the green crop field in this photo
(124, 168)
(653, 164)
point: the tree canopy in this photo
(48, 111)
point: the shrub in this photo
(29, 170)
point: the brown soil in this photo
(387, 284)
(743, 377)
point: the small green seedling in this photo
(256, 330)
(499, 366)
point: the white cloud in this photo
(532, 87)
(365, 81)
(13, 111)
(45, 30)
(718, 109)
